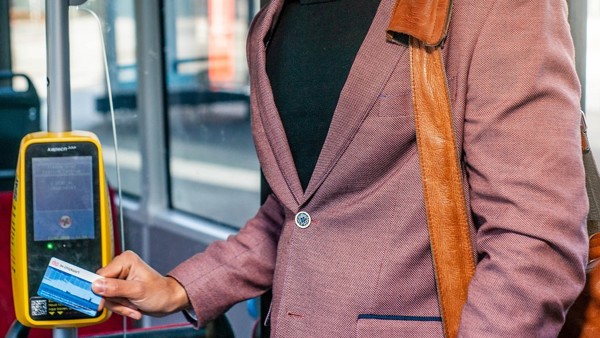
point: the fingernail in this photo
(134, 315)
(99, 286)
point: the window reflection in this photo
(89, 99)
(120, 39)
(214, 170)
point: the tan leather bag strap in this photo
(427, 20)
(426, 23)
(451, 247)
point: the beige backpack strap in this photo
(451, 246)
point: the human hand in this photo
(132, 288)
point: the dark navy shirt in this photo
(309, 57)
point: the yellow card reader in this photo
(61, 212)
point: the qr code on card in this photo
(39, 307)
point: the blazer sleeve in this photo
(236, 269)
(522, 152)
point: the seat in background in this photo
(19, 116)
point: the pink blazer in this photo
(362, 267)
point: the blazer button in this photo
(302, 219)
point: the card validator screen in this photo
(63, 198)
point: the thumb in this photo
(99, 286)
(111, 288)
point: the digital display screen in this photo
(63, 198)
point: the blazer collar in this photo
(373, 65)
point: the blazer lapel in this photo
(372, 67)
(271, 142)
(374, 63)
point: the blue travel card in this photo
(71, 286)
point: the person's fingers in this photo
(124, 302)
(120, 265)
(130, 283)
(123, 310)
(112, 288)
(101, 304)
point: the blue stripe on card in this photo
(406, 318)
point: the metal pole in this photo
(59, 84)
(64, 333)
(578, 22)
(151, 106)
(152, 125)
(57, 61)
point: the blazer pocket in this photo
(393, 104)
(398, 326)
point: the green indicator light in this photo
(50, 246)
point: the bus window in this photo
(213, 170)
(213, 166)
(89, 99)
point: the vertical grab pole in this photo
(70, 332)
(59, 85)
(57, 61)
